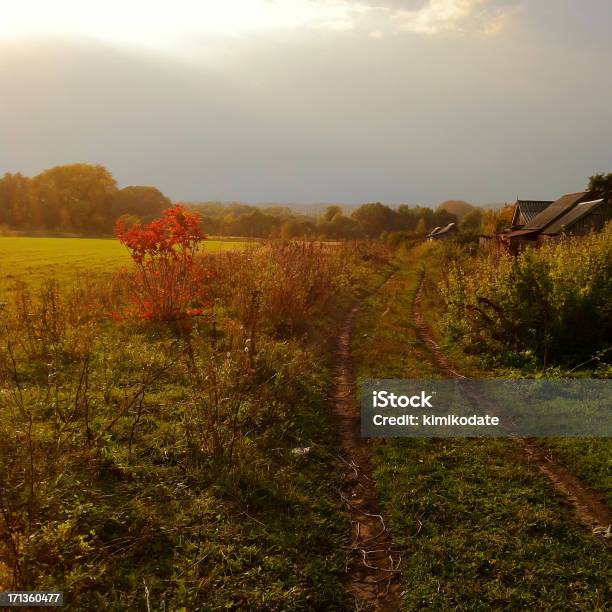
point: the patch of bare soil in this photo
(588, 505)
(372, 563)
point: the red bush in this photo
(169, 282)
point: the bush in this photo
(169, 281)
(282, 288)
(549, 305)
(396, 240)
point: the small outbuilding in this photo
(443, 233)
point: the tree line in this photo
(371, 220)
(79, 198)
(85, 199)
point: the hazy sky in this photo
(312, 100)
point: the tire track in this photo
(372, 564)
(588, 505)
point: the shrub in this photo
(169, 281)
(285, 288)
(550, 304)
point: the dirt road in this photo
(372, 563)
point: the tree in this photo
(427, 215)
(407, 218)
(17, 202)
(375, 218)
(128, 221)
(297, 228)
(442, 217)
(601, 185)
(341, 227)
(421, 227)
(144, 202)
(459, 208)
(497, 221)
(210, 225)
(471, 222)
(255, 224)
(331, 212)
(82, 195)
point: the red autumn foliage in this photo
(169, 283)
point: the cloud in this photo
(306, 113)
(431, 17)
(438, 15)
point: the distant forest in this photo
(77, 198)
(85, 199)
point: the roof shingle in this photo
(572, 216)
(553, 212)
(530, 208)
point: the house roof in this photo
(520, 232)
(573, 216)
(443, 230)
(530, 208)
(555, 210)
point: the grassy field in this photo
(146, 466)
(477, 526)
(155, 467)
(34, 259)
(588, 458)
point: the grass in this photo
(481, 530)
(590, 459)
(147, 467)
(161, 516)
(35, 259)
(149, 503)
(478, 527)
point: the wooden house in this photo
(574, 214)
(526, 210)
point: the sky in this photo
(306, 101)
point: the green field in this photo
(34, 259)
(479, 528)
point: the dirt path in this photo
(372, 563)
(588, 505)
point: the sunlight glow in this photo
(173, 24)
(159, 23)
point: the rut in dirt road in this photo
(588, 505)
(372, 563)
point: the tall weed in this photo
(549, 305)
